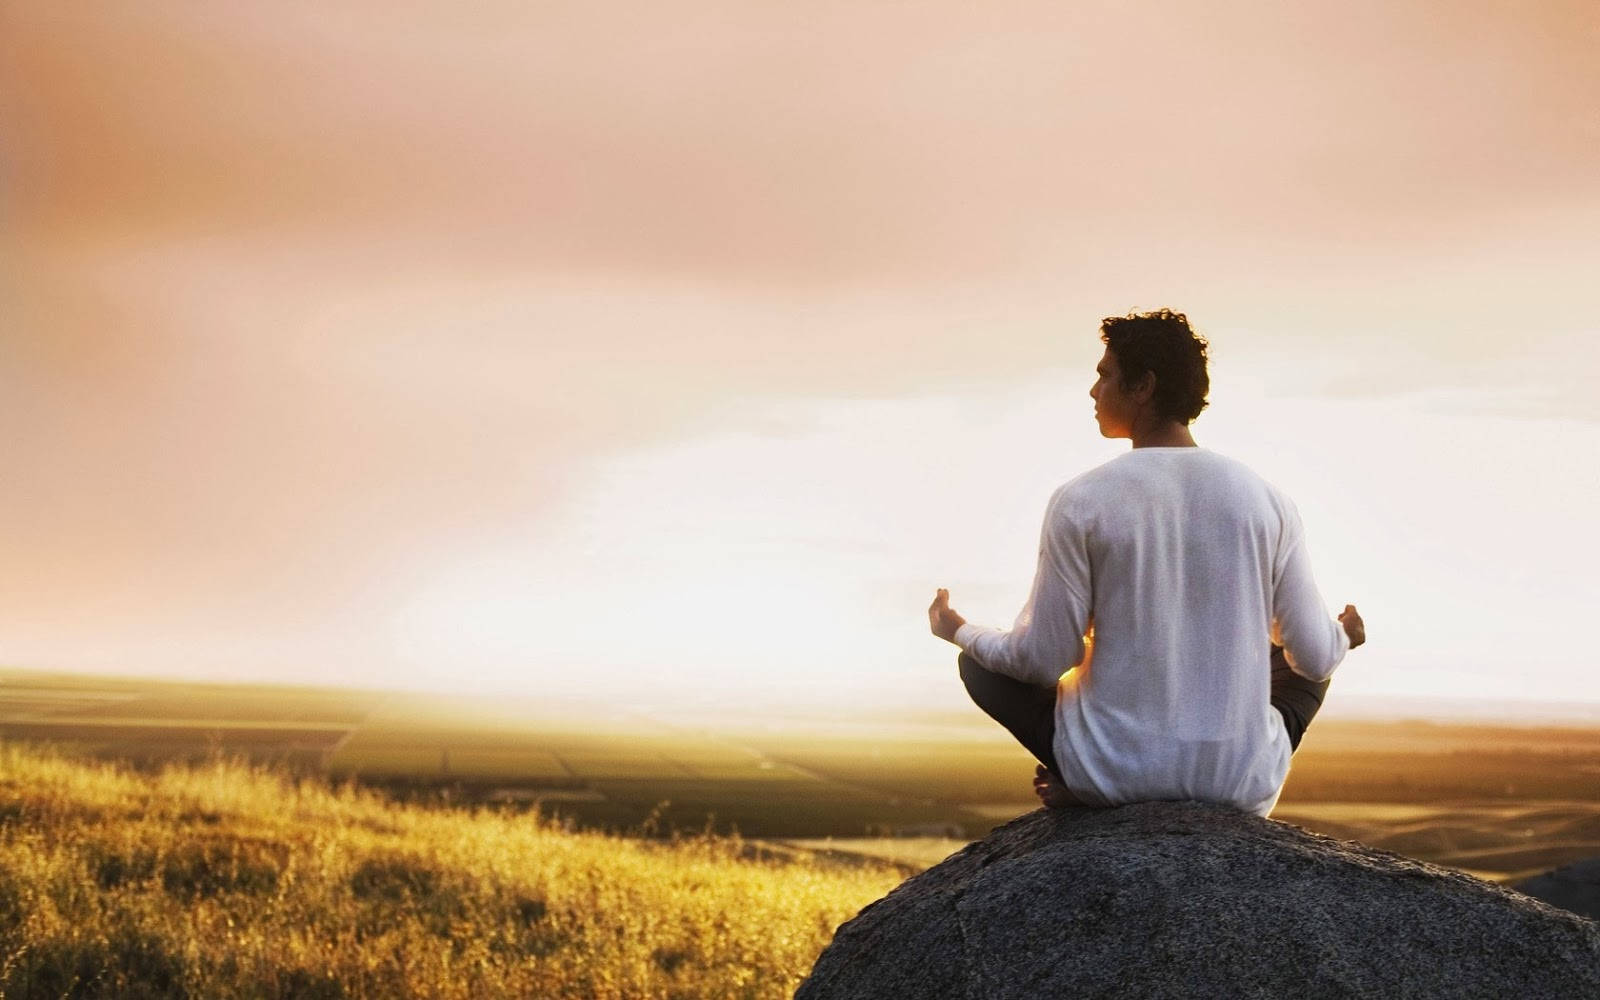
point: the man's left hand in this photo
(942, 619)
(1354, 627)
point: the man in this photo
(1174, 645)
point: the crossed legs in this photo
(1028, 712)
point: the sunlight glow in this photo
(799, 563)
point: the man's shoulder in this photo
(1135, 472)
(1100, 488)
(1090, 482)
(1158, 463)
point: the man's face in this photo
(1114, 406)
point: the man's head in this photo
(1157, 366)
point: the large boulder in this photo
(1169, 899)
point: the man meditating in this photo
(1174, 645)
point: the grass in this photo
(226, 880)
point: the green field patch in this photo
(627, 766)
(25, 707)
(406, 715)
(708, 754)
(390, 734)
(448, 762)
(697, 758)
(766, 809)
(497, 710)
(755, 770)
(141, 734)
(641, 743)
(969, 771)
(512, 764)
(389, 761)
(521, 765)
(87, 685)
(234, 708)
(653, 790)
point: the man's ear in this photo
(1144, 390)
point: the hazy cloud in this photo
(304, 299)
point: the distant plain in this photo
(1500, 801)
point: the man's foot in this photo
(1051, 792)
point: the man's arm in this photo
(1314, 643)
(1047, 638)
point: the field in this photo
(225, 880)
(165, 840)
(1501, 801)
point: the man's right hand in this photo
(942, 619)
(1354, 627)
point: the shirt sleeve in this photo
(1313, 641)
(1047, 638)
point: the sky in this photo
(675, 354)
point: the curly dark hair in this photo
(1161, 343)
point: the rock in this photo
(1168, 899)
(1574, 887)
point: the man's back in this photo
(1188, 559)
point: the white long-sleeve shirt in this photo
(1184, 564)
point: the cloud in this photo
(305, 300)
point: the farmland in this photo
(1499, 801)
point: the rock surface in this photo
(1574, 887)
(1170, 899)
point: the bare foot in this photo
(1051, 792)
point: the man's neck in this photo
(1170, 434)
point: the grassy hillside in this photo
(226, 880)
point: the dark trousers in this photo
(1028, 711)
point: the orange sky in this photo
(546, 344)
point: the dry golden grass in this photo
(226, 880)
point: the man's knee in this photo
(977, 679)
(1298, 700)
